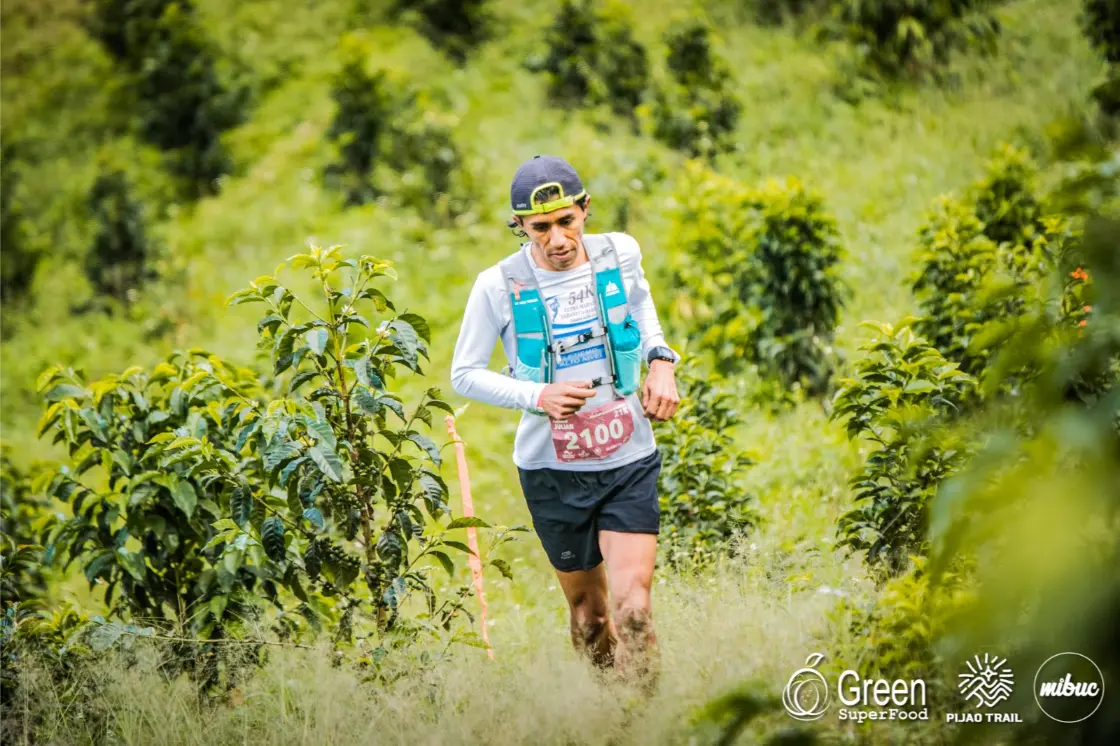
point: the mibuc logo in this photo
(1068, 687)
(806, 694)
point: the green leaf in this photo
(457, 545)
(218, 606)
(367, 375)
(405, 339)
(321, 430)
(185, 497)
(918, 386)
(241, 506)
(317, 340)
(314, 517)
(418, 323)
(64, 391)
(312, 560)
(464, 522)
(392, 404)
(503, 568)
(444, 560)
(427, 445)
(132, 562)
(272, 536)
(105, 636)
(327, 461)
(270, 322)
(365, 401)
(301, 378)
(401, 470)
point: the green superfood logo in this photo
(807, 695)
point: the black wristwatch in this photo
(662, 353)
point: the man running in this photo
(574, 314)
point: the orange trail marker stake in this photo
(472, 533)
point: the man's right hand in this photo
(561, 400)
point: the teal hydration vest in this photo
(535, 348)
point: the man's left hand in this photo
(659, 394)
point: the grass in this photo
(879, 165)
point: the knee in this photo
(589, 617)
(633, 616)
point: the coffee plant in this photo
(703, 501)
(1005, 198)
(695, 111)
(172, 66)
(898, 402)
(593, 58)
(912, 38)
(760, 267)
(382, 120)
(20, 256)
(455, 26)
(121, 257)
(26, 517)
(1101, 21)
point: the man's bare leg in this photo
(630, 559)
(593, 633)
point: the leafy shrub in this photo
(593, 57)
(19, 258)
(1101, 21)
(455, 26)
(899, 399)
(26, 518)
(120, 258)
(915, 37)
(184, 106)
(1005, 198)
(217, 495)
(703, 502)
(695, 111)
(759, 270)
(381, 119)
(779, 11)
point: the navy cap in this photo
(527, 195)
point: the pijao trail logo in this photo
(985, 682)
(1069, 687)
(806, 694)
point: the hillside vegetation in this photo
(136, 246)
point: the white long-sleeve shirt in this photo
(569, 298)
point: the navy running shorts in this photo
(569, 508)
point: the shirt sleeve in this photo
(479, 332)
(641, 305)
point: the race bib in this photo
(594, 433)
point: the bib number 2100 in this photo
(594, 434)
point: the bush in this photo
(184, 107)
(759, 269)
(19, 258)
(1101, 21)
(26, 517)
(773, 12)
(915, 37)
(899, 400)
(119, 260)
(382, 120)
(217, 499)
(695, 112)
(703, 502)
(978, 260)
(455, 26)
(593, 57)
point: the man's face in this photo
(557, 235)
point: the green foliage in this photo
(899, 400)
(593, 58)
(183, 105)
(455, 26)
(381, 119)
(1101, 20)
(695, 111)
(773, 12)
(19, 259)
(26, 518)
(912, 38)
(120, 259)
(898, 631)
(977, 259)
(760, 266)
(703, 500)
(139, 528)
(1039, 503)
